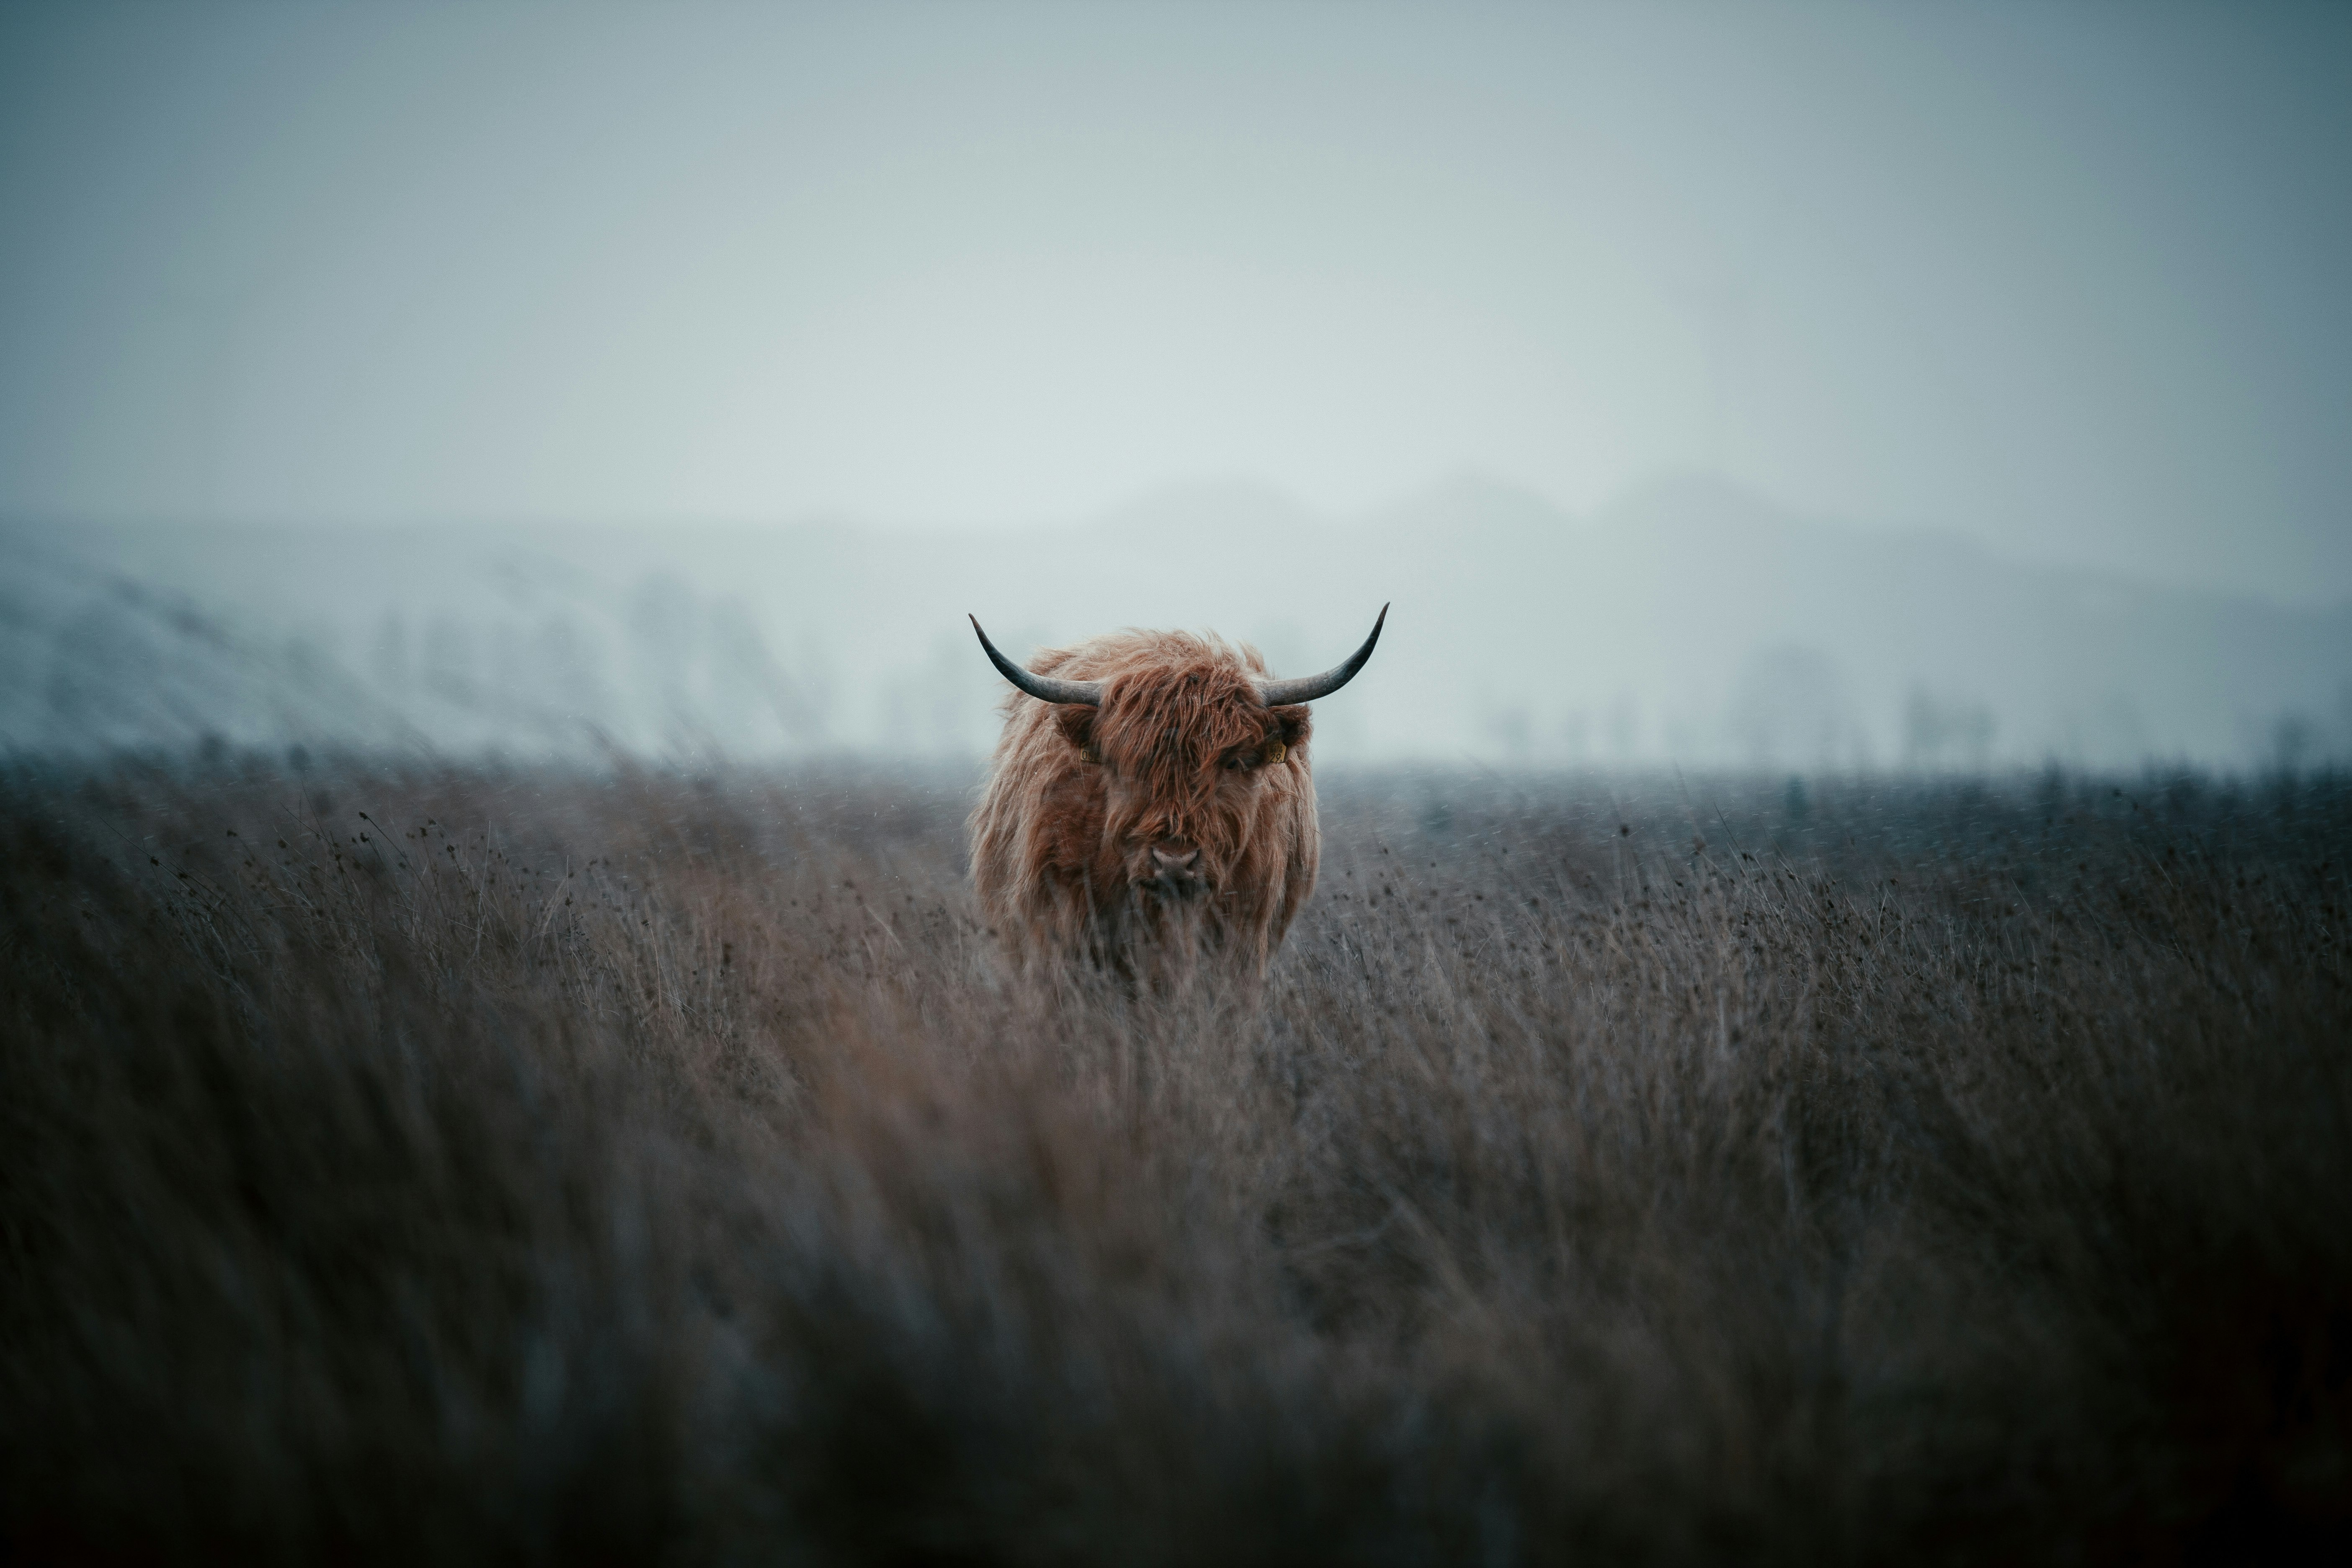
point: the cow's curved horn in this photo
(1044, 688)
(1308, 687)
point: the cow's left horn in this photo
(1044, 688)
(1307, 689)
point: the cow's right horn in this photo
(1308, 687)
(1044, 688)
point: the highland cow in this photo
(1150, 806)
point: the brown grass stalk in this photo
(552, 1165)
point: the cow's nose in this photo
(1174, 863)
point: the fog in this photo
(1800, 387)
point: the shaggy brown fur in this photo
(1080, 841)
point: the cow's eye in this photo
(1234, 764)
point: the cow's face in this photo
(1186, 754)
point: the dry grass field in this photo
(530, 1166)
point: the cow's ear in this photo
(1292, 725)
(1076, 723)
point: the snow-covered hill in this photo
(1689, 622)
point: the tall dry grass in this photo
(449, 1165)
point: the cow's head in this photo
(1188, 744)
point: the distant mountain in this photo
(1689, 622)
(464, 641)
(1734, 632)
(92, 661)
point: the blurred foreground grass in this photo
(550, 1166)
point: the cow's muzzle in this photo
(1174, 872)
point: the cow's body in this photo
(1169, 828)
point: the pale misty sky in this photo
(2070, 281)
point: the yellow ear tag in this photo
(1274, 751)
